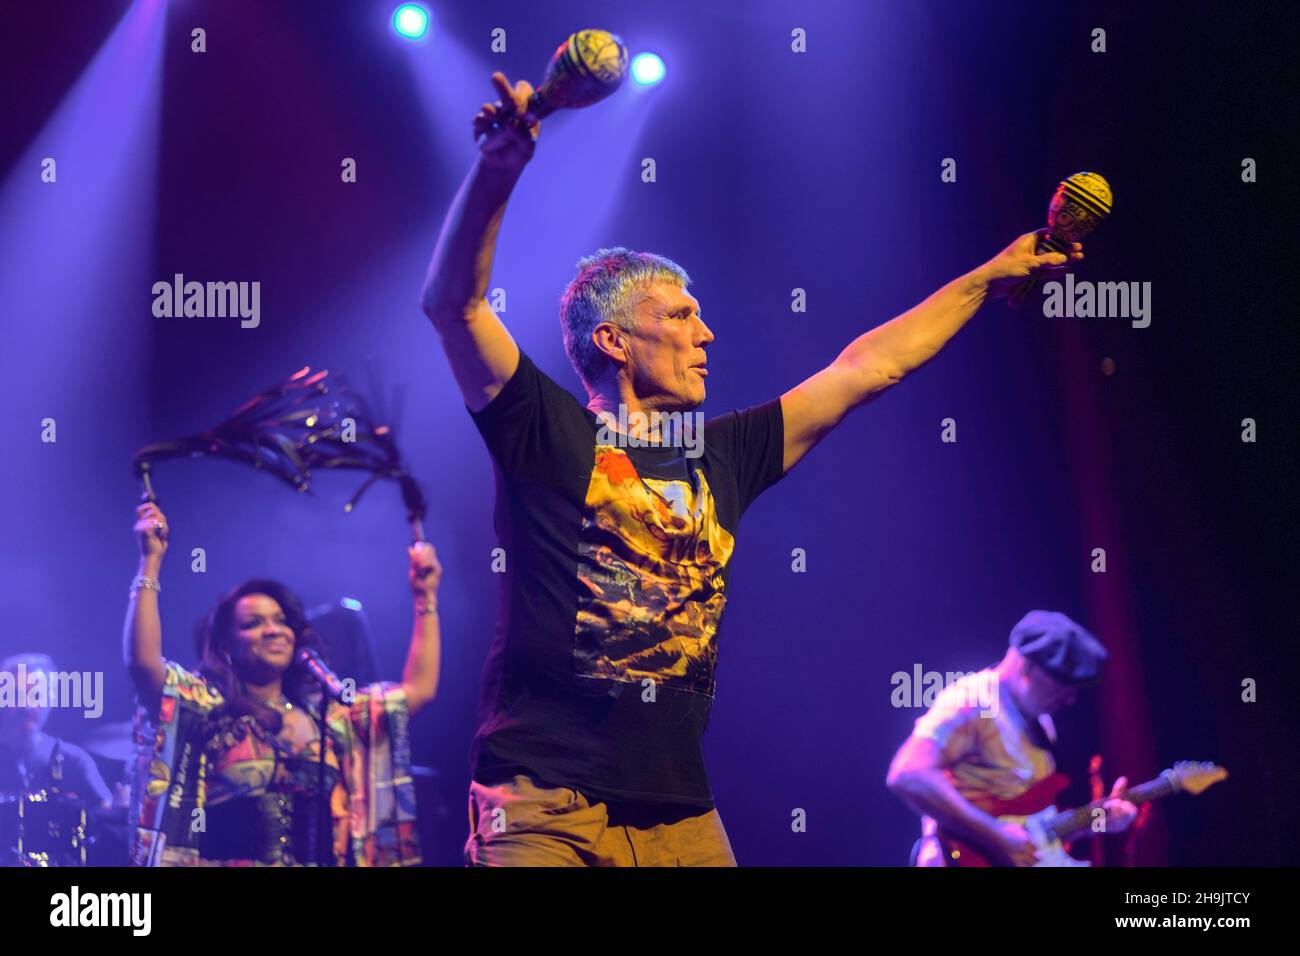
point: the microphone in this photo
(309, 658)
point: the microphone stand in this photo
(323, 800)
(329, 691)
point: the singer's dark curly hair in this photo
(213, 642)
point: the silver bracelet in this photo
(142, 583)
(428, 608)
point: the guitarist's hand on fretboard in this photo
(1030, 830)
(1120, 813)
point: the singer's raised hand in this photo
(420, 678)
(425, 571)
(151, 530)
(142, 635)
(505, 131)
(1018, 261)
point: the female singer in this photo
(230, 768)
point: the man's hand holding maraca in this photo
(1018, 262)
(505, 131)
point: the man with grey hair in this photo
(618, 540)
(31, 759)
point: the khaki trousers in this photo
(523, 822)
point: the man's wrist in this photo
(426, 603)
(150, 566)
(500, 180)
(975, 283)
(990, 827)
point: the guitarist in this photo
(986, 738)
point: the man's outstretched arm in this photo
(881, 357)
(482, 353)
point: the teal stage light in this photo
(411, 20)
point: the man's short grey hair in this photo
(607, 289)
(31, 661)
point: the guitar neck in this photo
(1080, 818)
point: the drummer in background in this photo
(31, 759)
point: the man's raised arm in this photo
(881, 357)
(482, 353)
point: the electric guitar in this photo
(1047, 826)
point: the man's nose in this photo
(706, 334)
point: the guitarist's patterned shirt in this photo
(617, 559)
(989, 749)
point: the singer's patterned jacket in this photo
(372, 795)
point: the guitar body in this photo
(1029, 810)
(1035, 811)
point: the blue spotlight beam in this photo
(647, 69)
(411, 21)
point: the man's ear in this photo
(611, 340)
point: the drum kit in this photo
(49, 827)
(43, 828)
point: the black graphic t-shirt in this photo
(601, 673)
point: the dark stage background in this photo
(775, 170)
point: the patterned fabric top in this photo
(193, 756)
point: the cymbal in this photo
(112, 741)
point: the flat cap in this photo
(1059, 646)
